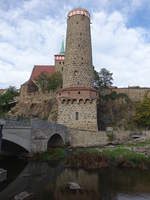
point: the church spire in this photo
(62, 50)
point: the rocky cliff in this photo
(41, 105)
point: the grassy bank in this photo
(94, 158)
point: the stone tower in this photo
(77, 100)
(60, 59)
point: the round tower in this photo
(77, 100)
(78, 70)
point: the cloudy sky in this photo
(31, 32)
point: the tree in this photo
(103, 79)
(55, 81)
(42, 81)
(7, 98)
(142, 113)
(47, 83)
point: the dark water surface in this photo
(47, 181)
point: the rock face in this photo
(41, 105)
(73, 186)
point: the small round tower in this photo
(78, 70)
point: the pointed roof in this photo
(62, 50)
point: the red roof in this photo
(39, 69)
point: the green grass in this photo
(51, 154)
(128, 155)
(115, 154)
(136, 144)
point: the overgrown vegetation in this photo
(7, 99)
(123, 154)
(50, 155)
(48, 83)
(91, 158)
(142, 113)
(115, 110)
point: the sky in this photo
(31, 32)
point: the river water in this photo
(47, 181)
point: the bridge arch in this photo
(56, 140)
(22, 142)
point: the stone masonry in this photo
(77, 99)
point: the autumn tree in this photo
(142, 113)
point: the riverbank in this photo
(130, 155)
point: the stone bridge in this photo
(35, 135)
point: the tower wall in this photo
(78, 69)
(87, 114)
(77, 100)
(59, 63)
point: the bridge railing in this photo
(13, 123)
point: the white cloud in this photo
(25, 44)
(121, 49)
(26, 40)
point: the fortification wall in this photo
(135, 94)
(82, 138)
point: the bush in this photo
(48, 83)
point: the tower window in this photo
(77, 116)
(77, 22)
(78, 45)
(59, 62)
(78, 92)
(82, 58)
(63, 63)
(80, 33)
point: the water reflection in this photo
(47, 181)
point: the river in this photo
(47, 181)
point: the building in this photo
(77, 100)
(30, 86)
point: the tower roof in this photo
(79, 11)
(62, 50)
